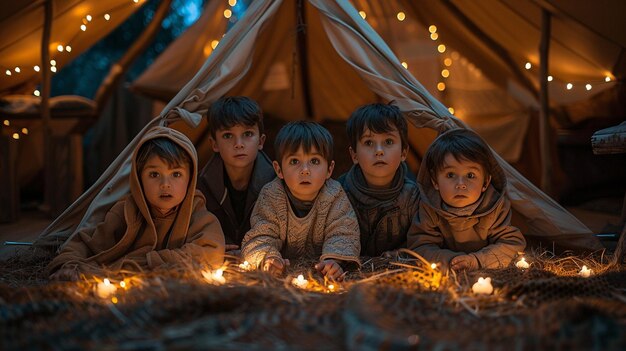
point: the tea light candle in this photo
(245, 266)
(214, 277)
(482, 286)
(300, 282)
(522, 264)
(585, 272)
(105, 289)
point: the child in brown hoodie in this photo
(162, 220)
(464, 217)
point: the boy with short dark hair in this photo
(464, 219)
(303, 213)
(379, 185)
(233, 177)
(163, 220)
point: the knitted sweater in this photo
(329, 231)
(133, 236)
(384, 214)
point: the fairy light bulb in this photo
(6, 122)
(528, 65)
(88, 17)
(588, 86)
(232, 2)
(60, 48)
(17, 70)
(228, 13)
(363, 14)
(36, 92)
(432, 28)
(36, 68)
(550, 78)
(441, 48)
(16, 136)
(569, 86)
(53, 62)
(107, 17)
(447, 62)
(445, 73)
(434, 265)
(8, 72)
(401, 16)
(405, 65)
(83, 27)
(68, 48)
(25, 131)
(214, 43)
(53, 69)
(441, 86)
(607, 79)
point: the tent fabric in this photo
(366, 53)
(21, 28)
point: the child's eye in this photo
(294, 161)
(389, 142)
(368, 143)
(471, 175)
(248, 134)
(177, 174)
(449, 175)
(227, 135)
(315, 161)
(153, 174)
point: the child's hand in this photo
(390, 254)
(331, 269)
(464, 262)
(275, 265)
(66, 274)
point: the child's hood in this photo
(431, 196)
(135, 183)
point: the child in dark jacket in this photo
(232, 179)
(379, 185)
(464, 219)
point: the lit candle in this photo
(482, 286)
(433, 265)
(105, 289)
(585, 272)
(331, 287)
(522, 264)
(245, 266)
(300, 282)
(214, 277)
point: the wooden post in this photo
(544, 113)
(10, 194)
(45, 105)
(302, 57)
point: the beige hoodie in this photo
(129, 236)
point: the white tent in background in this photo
(294, 57)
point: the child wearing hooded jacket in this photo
(162, 221)
(464, 217)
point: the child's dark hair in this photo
(463, 144)
(379, 118)
(232, 110)
(167, 150)
(307, 134)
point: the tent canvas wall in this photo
(374, 73)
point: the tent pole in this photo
(302, 58)
(544, 126)
(120, 67)
(45, 107)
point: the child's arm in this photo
(331, 269)
(425, 238)
(505, 241)
(263, 241)
(204, 243)
(342, 238)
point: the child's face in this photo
(238, 145)
(460, 183)
(379, 155)
(164, 187)
(304, 173)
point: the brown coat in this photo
(130, 236)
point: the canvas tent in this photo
(373, 72)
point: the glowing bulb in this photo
(36, 92)
(300, 282)
(53, 62)
(451, 110)
(441, 48)
(16, 136)
(522, 264)
(550, 78)
(68, 48)
(214, 43)
(331, 287)
(441, 86)
(245, 266)
(17, 70)
(405, 65)
(434, 265)
(53, 69)
(432, 28)
(232, 2)
(447, 62)
(400, 16)
(569, 86)
(25, 131)
(607, 79)
(363, 14)
(445, 73)
(228, 13)
(528, 65)
(83, 27)
(588, 86)
(36, 68)
(8, 72)
(122, 284)
(585, 272)
(135, 1)
(88, 17)
(60, 48)
(434, 36)
(107, 16)
(6, 122)
(114, 299)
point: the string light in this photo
(228, 13)
(53, 62)
(445, 73)
(434, 36)
(17, 70)
(607, 79)
(441, 86)
(550, 78)
(6, 122)
(232, 2)
(53, 69)
(432, 28)
(441, 48)
(528, 65)
(36, 68)
(8, 72)
(405, 65)
(588, 87)
(451, 110)
(569, 86)
(400, 16)
(16, 136)
(107, 17)
(25, 131)
(363, 14)
(68, 48)
(60, 48)
(447, 62)
(88, 17)
(36, 92)
(83, 27)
